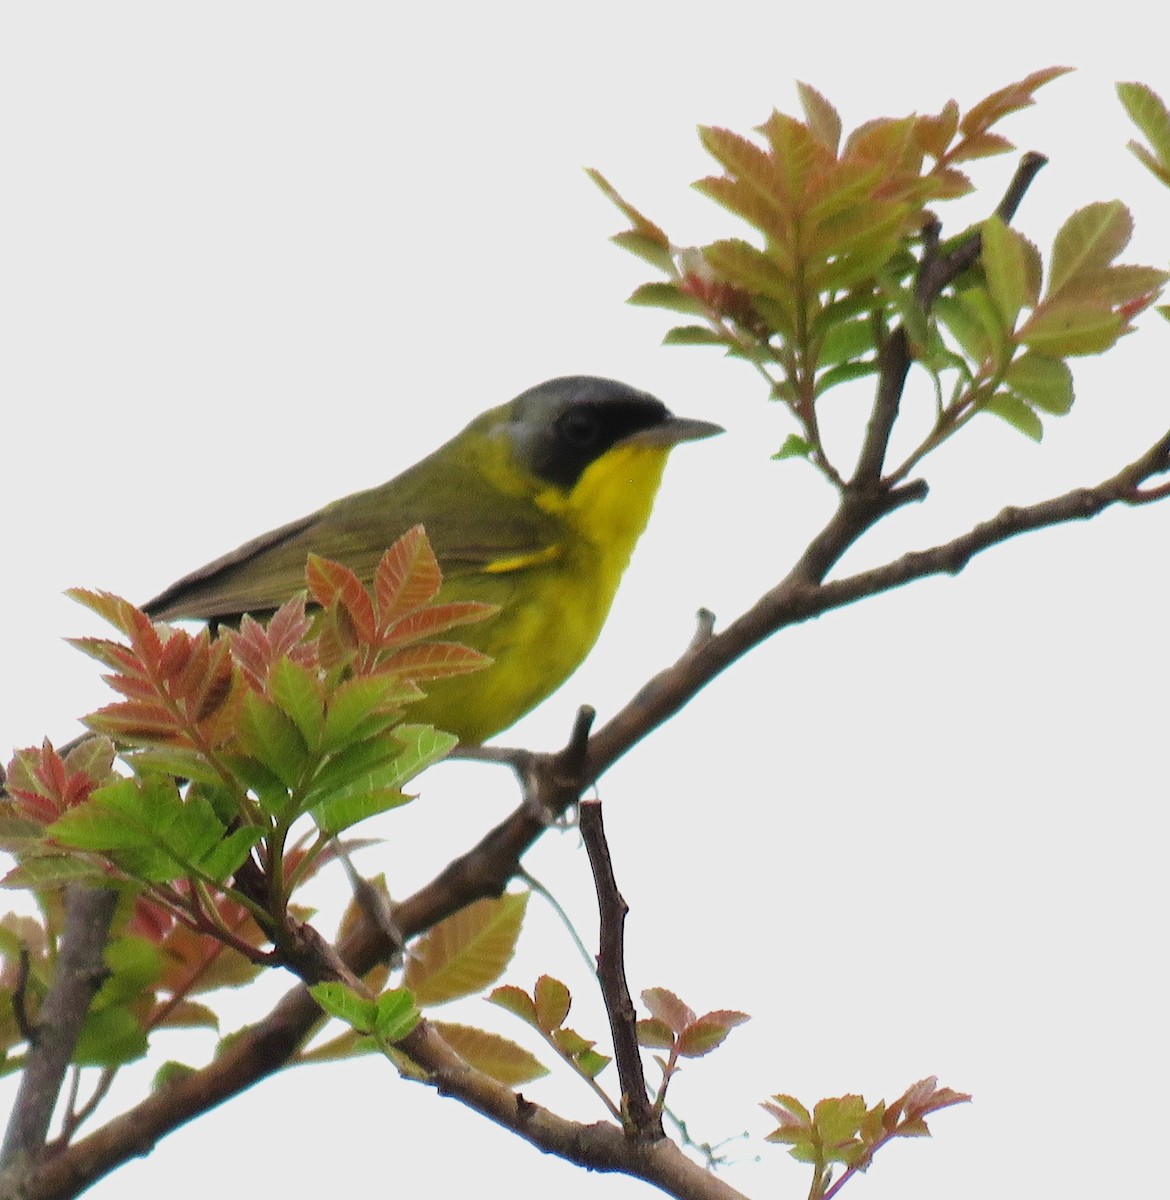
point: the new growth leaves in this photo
(1014, 336)
(840, 231)
(671, 1026)
(460, 956)
(239, 743)
(301, 715)
(844, 1132)
(674, 1026)
(1148, 112)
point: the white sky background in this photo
(255, 256)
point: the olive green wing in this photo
(471, 525)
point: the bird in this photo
(535, 507)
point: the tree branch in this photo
(796, 600)
(599, 1147)
(79, 973)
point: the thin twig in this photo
(644, 1118)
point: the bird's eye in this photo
(579, 427)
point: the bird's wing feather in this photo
(473, 528)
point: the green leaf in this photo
(343, 811)
(422, 746)
(50, 871)
(349, 1044)
(1016, 413)
(134, 965)
(843, 310)
(1044, 382)
(794, 447)
(668, 296)
(377, 787)
(174, 760)
(395, 1014)
(146, 827)
(693, 335)
(859, 266)
(647, 249)
(1088, 241)
(845, 373)
(961, 315)
(1148, 112)
(838, 1119)
(98, 824)
(1004, 262)
(591, 1062)
(1116, 285)
(109, 1037)
(170, 1072)
(847, 340)
(353, 764)
(352, 704)
(297, 692)
(346, 1005)
(909, 308)
(792, 1106)
(226, 857)
(188, 1014)
(272, 737)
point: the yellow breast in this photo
(552, 603)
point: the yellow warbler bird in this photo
(534, 507)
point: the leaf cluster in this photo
(249, 751)
(840, 240)
(844, 1132)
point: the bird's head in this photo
(558, 430)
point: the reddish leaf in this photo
(435, 660)
(709, 1031)
(435, 619)
(408, 575)
(43, 785)
(331, 584)
(257, 647)
(643, 226)
(668, 1008)
(1007, 100)
(934, 133)
(176, 653)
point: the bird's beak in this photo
(674, 430)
